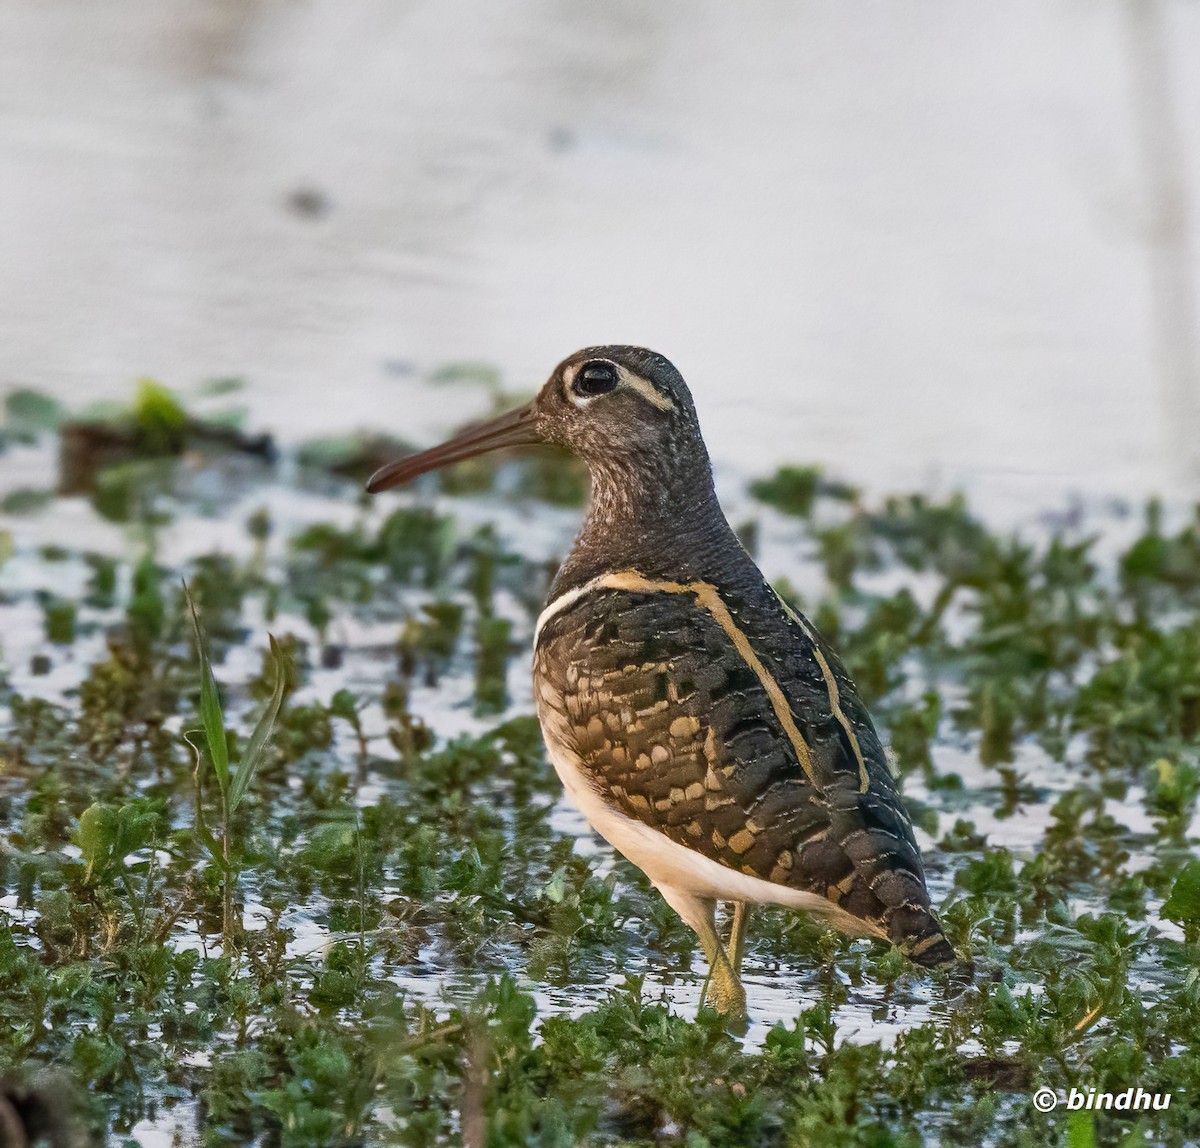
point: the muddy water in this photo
(913, 249)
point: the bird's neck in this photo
(662, 519)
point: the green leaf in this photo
(1081, 1130)
(97, 836)
(344, 705)
(333, 847)
(469, 374)
(31, 410)
(1183, 905)
(556, 888)
(137, 826)
(261, 736)
(223, 386)
(159, 418)
(210, 702)
(106, 834)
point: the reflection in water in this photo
(903, 249)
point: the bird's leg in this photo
(724, 992)
(737, 935)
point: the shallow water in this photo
(914, 249)
(368, 659)
(210, 506)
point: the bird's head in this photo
(618, 408)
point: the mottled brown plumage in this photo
(703, 727)
(675, 729)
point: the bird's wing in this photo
(683, 716)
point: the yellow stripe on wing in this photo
(835, 700)
(707, 596)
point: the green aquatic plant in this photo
(29, 413)
(427, 641)
(232, 778)
(796, 489)
(59, 620)
(25, 500)
(345, 705)
(158, 418)
(1183, 905)
(430, 949)
(108, 833)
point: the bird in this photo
(703, 726)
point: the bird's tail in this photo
(917, 933)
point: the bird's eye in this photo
(595, 378)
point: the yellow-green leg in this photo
(737, 935)
(724, 992)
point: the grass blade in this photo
(256, 747)
(210, 702)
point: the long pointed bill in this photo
(517, 428)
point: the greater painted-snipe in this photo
(704, 728)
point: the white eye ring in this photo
(594, 373)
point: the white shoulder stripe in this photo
(563, 601)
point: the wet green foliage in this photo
(122, 455)
(232, 778)
(794, 489)
(351, 456)
(366, 917)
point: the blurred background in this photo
(925, 245)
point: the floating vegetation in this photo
(106, 446)
(355, 456)
(339, 900)
(794, 489)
